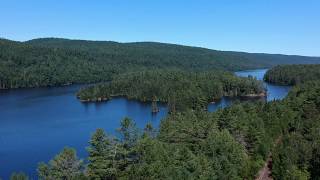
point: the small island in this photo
(154, 108)
(179, 89)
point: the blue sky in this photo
(271, 26)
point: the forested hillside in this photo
(293, 74)
(181, 90)
(226, 60)
(54, 62)
(22, 65)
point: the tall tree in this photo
(101, 158)
(65, 166)
(18, 176)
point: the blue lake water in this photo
(35, 124)
(274, 92)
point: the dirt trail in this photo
(265, 172)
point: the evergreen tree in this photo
(65, 166)
(101, 157)
(19, 176)
(126, 153)
(128, 132)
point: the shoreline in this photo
(215, 100)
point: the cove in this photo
(274, 92)
(35, 124)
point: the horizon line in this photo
(169, 43)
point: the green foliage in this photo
(65, 166)
(53, 62)
(174, 155)
(128, 132)
(19, 176)
(293, 74)
(110, 158)
(193, 147)
(126, 152)
(102, 154)
(298, 155)
(181, 90)
(228, 156)
(232, 143)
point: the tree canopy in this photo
(181, 90)
(293, 74)
(231, 143)
(191, 143)
(55, 62)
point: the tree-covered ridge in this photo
(293, 74)
(227, 60)
(53, 62)
(22, 65)
(181, 90)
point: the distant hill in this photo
(55, 61)
(232, 59)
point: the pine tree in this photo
(126, 154)
(155, 108)
(101, 157)
(19, 176)
(65, 165)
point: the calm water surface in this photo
(274, 92)
(35, 124)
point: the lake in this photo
(274, 92)
(35, 124)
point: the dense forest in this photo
(232, 143)
(298, 154)
(54, 62)
(181, 90)
(191, 143)
(293, 74)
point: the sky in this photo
(269, 26)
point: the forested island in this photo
(181, 90)
(232, 143)
(293, 74)
(56, 62)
